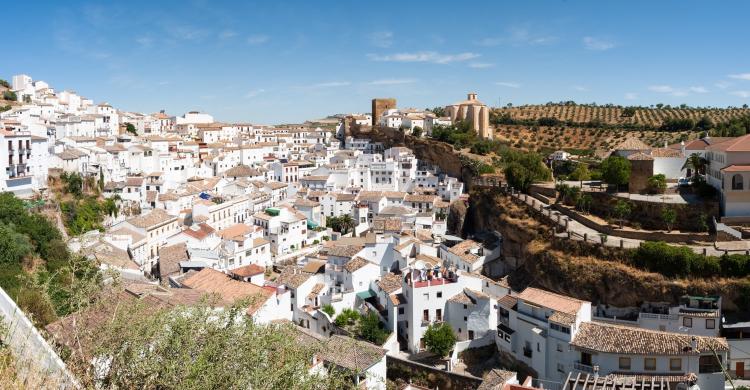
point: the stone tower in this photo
(379, 106)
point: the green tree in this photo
(628, 112)
(439, 339)
(4, 83)
(417, 131)
(371, 329)
(580, 173)
(73, 183)
(622, 211)
(10, 95)
(615, 170)
(657, 184)
(668, 216)
(101, 179)
(342, 224)
(584, 203)
(695, 163)
(348, 317)
(130, 128)
(438, 111)
(14, 246)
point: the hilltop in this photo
(586, 128)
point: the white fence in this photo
(36, 361)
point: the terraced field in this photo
(646, 116)
(564, 137)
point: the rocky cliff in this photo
(437, 153)
(590, 272)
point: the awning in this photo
(365, 294)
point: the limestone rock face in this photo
(457, 217)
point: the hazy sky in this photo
(279, 61)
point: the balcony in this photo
(578, 366)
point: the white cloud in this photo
(517, 36)
(631, 96)
(227, 34)
(382, 39)
(722, 85)
(742, 94)
(392, 81)
(257, 39)
(163, 82)
(597, 44)
(480, 65)
(508, 84)
(580, 88)
(679, 92)
(254, 93)
(331, 84)
(661, 88)
(144, 41)
(740, 76)
(424, 56)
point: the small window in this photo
(624, 363)
(687, 322)
(675, 364)
(400, 310)
(649, 364)
(710, 323)
(439, 294)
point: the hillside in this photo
(614, 115)
(587, 128)
(580, 139)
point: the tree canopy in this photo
(439, 339)
(615, 170)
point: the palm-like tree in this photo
(696, 163)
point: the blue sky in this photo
(287, 61)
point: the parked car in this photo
(683, 182)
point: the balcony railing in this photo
(578, 366)
(653, 316)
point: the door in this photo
(740, 369)
(586, 358)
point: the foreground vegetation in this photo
(37, 270)
(198, 347)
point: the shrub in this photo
(10, 95)
(371, 329)
(347, 317)
(439, 339)
(657, 184)
(328, 309)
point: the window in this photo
(675, 364)
(426, 296)
(710, 323)
(471, 335)
(438, 315)
(439, 294)
(426, 315)
(624, 363)
(400, 310)
(737, 182)
(560, 368)
(649, 364)
(687, 322)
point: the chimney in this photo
(472, 96)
